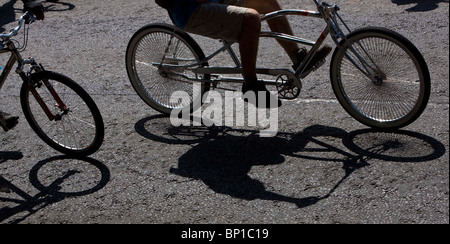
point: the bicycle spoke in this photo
(395, 93)
(73, 128)
(160, 63)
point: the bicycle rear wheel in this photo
(398, 89)
(156, 60)
(78, 129)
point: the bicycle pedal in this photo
(313, 68)
(318, 65)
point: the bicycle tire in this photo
(150, 45)
(80, 132)
(398, 146)
(403, 94)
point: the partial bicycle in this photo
(379, 77)
(59, 110)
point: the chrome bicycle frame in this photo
(325, 11)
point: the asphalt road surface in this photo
(322, 167)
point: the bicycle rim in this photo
(78, 132)
(164, 90)
(401, 93)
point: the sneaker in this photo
(8, 121)
(318, 57)
(259, 89)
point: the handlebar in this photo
(322, 5)
(318, 3)
(27, 17)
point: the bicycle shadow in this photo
(5, 156)
(421, 5)
(8, 12)
(51, 189)
(222, 157)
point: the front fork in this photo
(33, 84)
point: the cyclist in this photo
(8, 121)
(238, 21)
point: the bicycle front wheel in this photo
(395, 90)
(160, 60)
(75, 129)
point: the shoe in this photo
(318, 57)
(8, 121)
(263, 98)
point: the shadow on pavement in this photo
(222, 157)
(421, 5)
(8, 12)
(57, 178)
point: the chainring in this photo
(286, 88)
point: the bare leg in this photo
(248, 45)
(280, 24)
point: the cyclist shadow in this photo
(224, 163)
(18, 204)
(8, 12)
(222, 157)
(421, 5)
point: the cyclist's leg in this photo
(248, 45)
(232, 23)
(237, 24)
(280, 25)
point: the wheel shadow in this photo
(57, 178)
(8, 11)
(222, 157)
(421, 5)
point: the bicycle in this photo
(379, 77)
(62, 113)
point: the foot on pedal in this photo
(317, 60)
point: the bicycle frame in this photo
(9, 47)
(327, 12)
(275, 72)
(9, 65)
